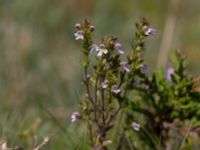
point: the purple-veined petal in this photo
(125, 66)
(135, 126)
(115, 89)
(75, 116)
(119, 49)
(79, 35)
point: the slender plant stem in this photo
(87, 86)
(95, 98)
(103, 105)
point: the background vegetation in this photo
(40, 82)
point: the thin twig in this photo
(95, 98)
(87, 86)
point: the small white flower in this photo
(75, 116)
(169, 73)
(93, 48)
(149, 31)
(125, 66)
(101, 50)
(104, 84)
(118, 47)
(115, 89)
(135, 126)
(79, 35)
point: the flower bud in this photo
(92, 28)
(78, 26)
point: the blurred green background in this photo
(40, 74)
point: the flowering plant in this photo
(122, 98)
